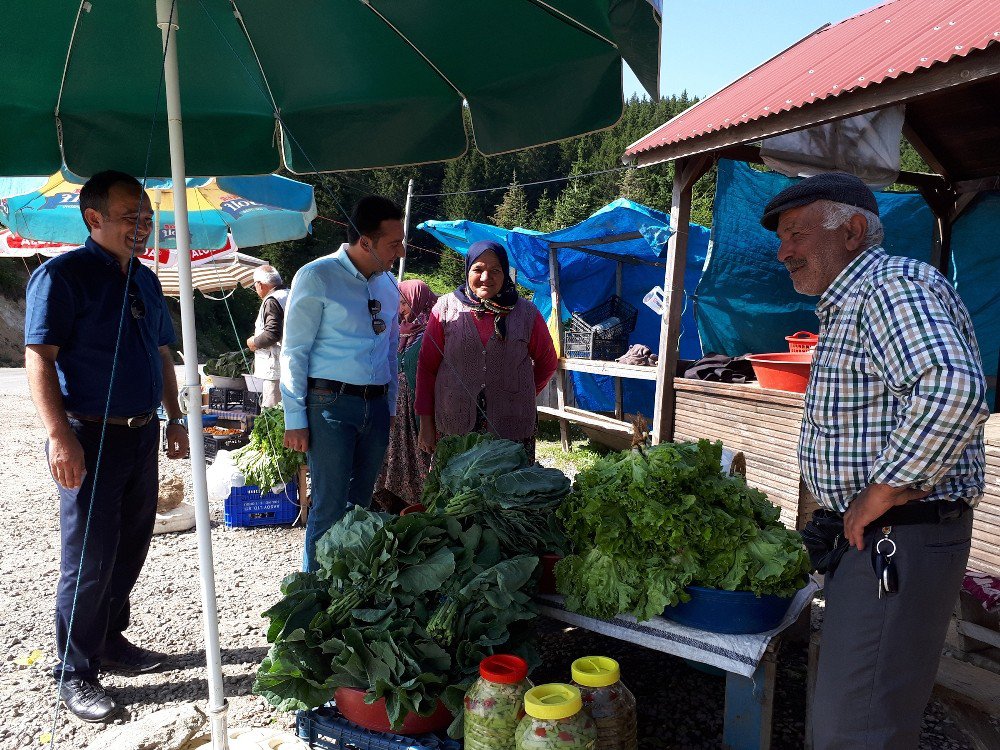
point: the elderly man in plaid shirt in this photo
(892, 443)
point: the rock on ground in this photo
(681, 707)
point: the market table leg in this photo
(749, 705)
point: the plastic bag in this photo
(219, 476)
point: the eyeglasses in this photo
(135, 303)
(374, 308)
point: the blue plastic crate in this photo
(326, 728)
(248, 506)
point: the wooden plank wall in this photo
(986, 525)
(765, 424)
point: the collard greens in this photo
(403, 607)
(645, 525)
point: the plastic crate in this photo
(248, 506)
(225, 398)
(215, 443)
(588, 337)
(251, 401)
(326, 728)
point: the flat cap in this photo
(839, 187)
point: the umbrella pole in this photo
(191, 390)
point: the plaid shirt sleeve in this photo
(916, 343)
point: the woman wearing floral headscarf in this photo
(488, 353)
(405, 467)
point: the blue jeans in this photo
(348, 436)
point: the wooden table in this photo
(749, 698)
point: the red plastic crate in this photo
(248, 506)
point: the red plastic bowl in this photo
(783, 371)
(351, 703)
(415, 508)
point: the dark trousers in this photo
(117, 540)
(879, 657)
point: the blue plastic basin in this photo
(728, 611)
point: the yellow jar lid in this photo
(554, 701)
(596, 671)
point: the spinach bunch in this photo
(645, 525)
(490, 482)
(264, 461)
(403, 607)
(230, 364)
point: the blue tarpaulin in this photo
(975, 265)
(586, 280)
(745, 301)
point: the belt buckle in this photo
(136, 422)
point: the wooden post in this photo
(560, 373)
(686, 173)
(750, 705)
(619, 400)
(406, 229)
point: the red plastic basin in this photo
(351, 703)
(415, 508)
(783, 371)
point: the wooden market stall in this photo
(947, 74)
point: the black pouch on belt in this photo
(824, 539)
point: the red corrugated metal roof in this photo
(879, 44)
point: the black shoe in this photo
(87, 700)
(120, 655)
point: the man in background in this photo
(96, 337)
(339, 370)
(267, 331)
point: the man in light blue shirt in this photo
(338, 364)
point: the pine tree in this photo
(634, 185)
(513, 209)
(543, 219)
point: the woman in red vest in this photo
(487, 353)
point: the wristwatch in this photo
(176, 420)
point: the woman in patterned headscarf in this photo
(405, 467)
(488, 354)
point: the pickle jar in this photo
(555, 720)
(495, 703)
(608, 701)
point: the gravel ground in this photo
(679, 707)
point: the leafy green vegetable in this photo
(645, 525)
(264, 461)
(492, 484)
(230, 364)
(403, 607)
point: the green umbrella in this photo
(358, 83)
(312, 84)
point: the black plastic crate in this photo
(215, 443)
(225, 398)
(251, 401)
(601, 332)
(326, 728)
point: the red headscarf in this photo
(420, 299)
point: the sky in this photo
(707, 44)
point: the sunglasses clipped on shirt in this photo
(135, 303)
(374, 308)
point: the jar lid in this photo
(596, 671)
(554, 701)
(506, 669)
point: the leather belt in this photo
(140, 420)
(348, 389)
(921, 511)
